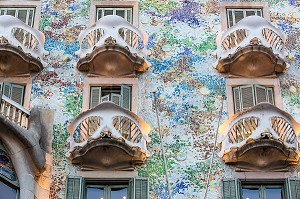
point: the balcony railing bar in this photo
(14, 112)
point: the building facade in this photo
(151, 99)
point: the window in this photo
(234, 15)
(126, 13)
(24, 14)
(14, 92)
(247, 96)
(135, 188)
(233, 12)
(28, 11)
(8, 178)
(120, 95)
(128, 9)
(107, 190)
(263, 191)
(285, 189)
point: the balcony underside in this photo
(260, 155)
(252, 61)
(107, 154)
(15, 62)
(112, 60)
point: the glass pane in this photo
(238, 15)
(230, 18)
(99, 14)
(259, 13)
(95, 193)
(11, 12)
(22, 15)
(2, 12)
(251, 193)
(120, 13)
(274, 193)
(7, 192)
(30, 18)
(108, 12)
(129, 16)
(250, 13)
(119, 193)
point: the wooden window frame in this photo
(115, 4)
(237, 81)
(242, 5)
(25, 4)
(115, 9)
(91, 81)
(24, 81)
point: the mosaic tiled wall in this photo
(181, 49)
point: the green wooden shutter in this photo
(116, 99)
(75, 188)
(17, 93)
(247, 96)
(126, 97)
(139, 188)
(236, 99)
(292, 186)
(260, 94)
(231, 189)
(95, 96)
(6, 89)
(270, 95)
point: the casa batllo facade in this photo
(149, 99)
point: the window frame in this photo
(25, 4)
(106, 185)
(242, 5)
(24, 81)
(262, 185)
(115, 4)
(105, 81)
(238, 81)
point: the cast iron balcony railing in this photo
(112, 36)
(14, 112)
(118, 134)
(260, 137)
(21, 45)
(252, 47)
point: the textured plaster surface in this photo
(181, 49)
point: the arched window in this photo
(9, 186)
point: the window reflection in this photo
(119, 193)
(7, 192)
(251, 193)
(274, 193)
(95, 193)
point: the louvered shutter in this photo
(247, 96)
(231, 189)
(116, 99)
(17, 93)
(6, 89)
(236, 99)
(292, 186)
(260, 94)
(270, 96)
(139, 188)
(105, 98)
(95, 96)
(75, 188)
(126, 97)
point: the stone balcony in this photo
(260, 138)
(112, 47)
(21, 48)
(251, 48)
(108, 137)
